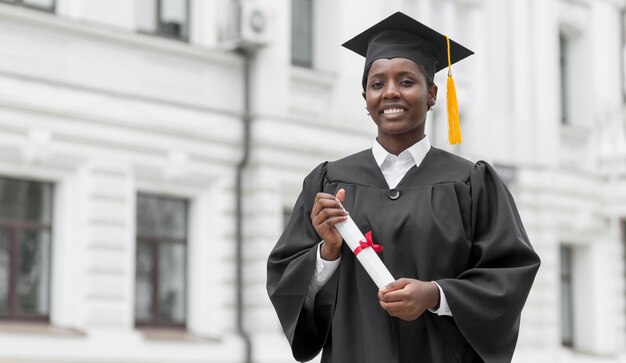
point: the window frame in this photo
(154, 243)
(15, 229)
(159, 24)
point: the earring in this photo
(368, 111)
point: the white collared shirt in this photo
(394, 168)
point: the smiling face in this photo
(398, 97)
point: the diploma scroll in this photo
(366, 256)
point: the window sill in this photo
(312, 76)
(576, 133)
(38, 328)
(173, 334)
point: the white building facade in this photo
(150, 151)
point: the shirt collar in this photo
(418, 151)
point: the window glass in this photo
(32, 277)
(161, 260)
(173, 18)
(168, 18)
(41, 4)
(25, 201)
(25, 245)
(172, 282)
(143, 286)
(302, 33)
(286, 215)
(567, 305)
(564, 84)
(623, 51)
(45, 5)
(161, 217)
(5, 269)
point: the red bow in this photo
(367, 243)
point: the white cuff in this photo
(323, 272)
(444, 308)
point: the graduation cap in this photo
(400, 36)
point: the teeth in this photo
(393, 110)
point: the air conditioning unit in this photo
(245, 24)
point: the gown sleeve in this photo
(487, 298)
(290, 268)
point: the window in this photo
(567, 296)
(43, 5)
(302, 33)
(160, 293)
(564, 74)
(167, 18)
(623, 51)
(25, 243)
(286, 216)
(623, 237)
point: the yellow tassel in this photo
(454, 123)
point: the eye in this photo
(407, 83)
(376, 85)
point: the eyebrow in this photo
(404, 73)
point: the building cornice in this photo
(114, 35)
(617, 3)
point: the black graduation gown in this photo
(454, 222)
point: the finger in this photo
(341, 195)
(394, 296)
(326, 214)
(323, 202)
(401, 311)
(393, 308)
(396, 285)
(326, 228)
(321, 195)
(331, 221)
(381, 295)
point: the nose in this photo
(391, 91)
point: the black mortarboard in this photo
(400, 36)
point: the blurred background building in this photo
(151, 150)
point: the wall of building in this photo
(103, 112)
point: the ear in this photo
(363, 94)
(432, 94)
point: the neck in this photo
(395, 144)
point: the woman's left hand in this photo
(407, 299)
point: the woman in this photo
(449, 229)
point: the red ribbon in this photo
(367, 243)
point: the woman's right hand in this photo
(327, 211)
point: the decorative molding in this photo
(115, 35)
